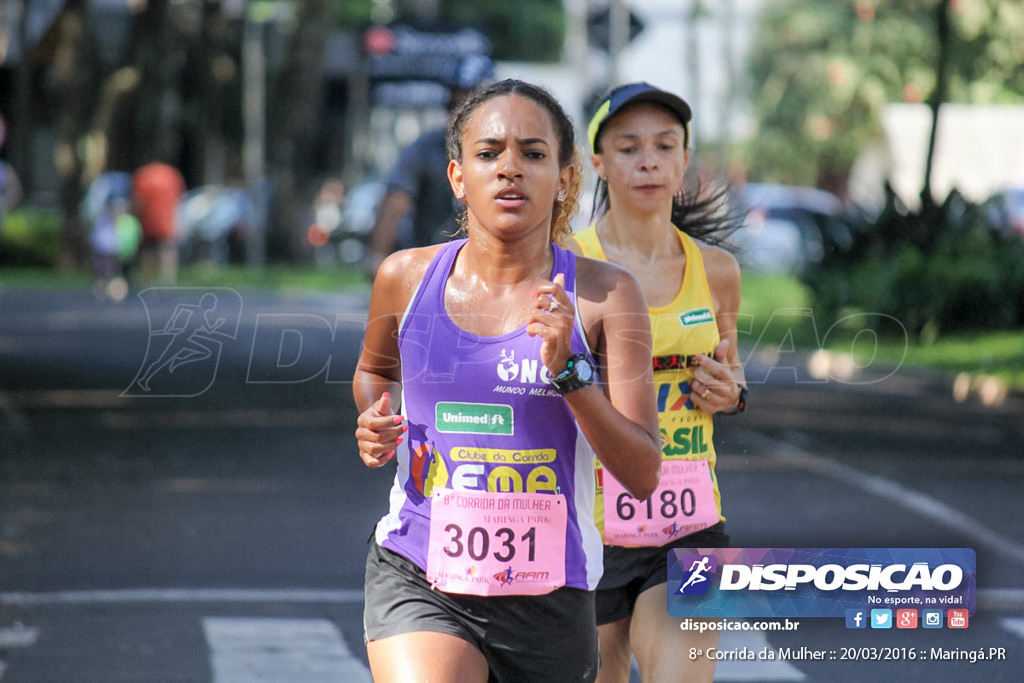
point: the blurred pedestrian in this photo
(418, 201)
(157, 189)
(10, 191)
(649, 224)
(103, 241)
(326, 217)
(505, 462)
(129, 235)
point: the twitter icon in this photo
(881, 618)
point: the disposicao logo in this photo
(695, 581)
(818, 582)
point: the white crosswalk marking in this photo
(17, 635)
(752, 670)
(740, 670)
(245, 650)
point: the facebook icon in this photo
(856, 618)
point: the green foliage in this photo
(940, 271)
(525, 30)
(353, 14)
(30, 237)
(775, 313)
(821, 70)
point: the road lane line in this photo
(1001, 598)
(219, 419)
(917, 501)
(988, 598)
(270, 650)
(174, 595)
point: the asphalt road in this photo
(190, 507)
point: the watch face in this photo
(584, 370)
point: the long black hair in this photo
(706, 212)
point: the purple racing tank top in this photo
(483, 417)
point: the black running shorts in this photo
(628, 572)
(542, 639)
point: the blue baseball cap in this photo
(637, 92)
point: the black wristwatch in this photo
(741, 404)
(578, 374)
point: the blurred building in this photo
(979, 150)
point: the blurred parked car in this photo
(769, 245)
(214, 220)
(1004, 212)
(343, 219)
(789, 227)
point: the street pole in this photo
(728, 24)
(693, 61)
(574, 50)
(618, 38)
(19, 134)
(253, 148)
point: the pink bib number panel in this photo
(485, 543)
(683, 503)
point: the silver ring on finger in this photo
(554, 306)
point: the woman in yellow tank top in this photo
(665, 237)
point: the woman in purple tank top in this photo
(494, 370)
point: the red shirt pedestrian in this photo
(156, 190)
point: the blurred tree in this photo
(526, 30)
(294, 120)
(174, 93)
(212, 92)
(939, 267)
(67, 99)
(156, 50)
(821, 71)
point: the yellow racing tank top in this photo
(680, 330)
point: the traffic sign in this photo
(599, 27)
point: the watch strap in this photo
(741, 403)
(569, 380)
